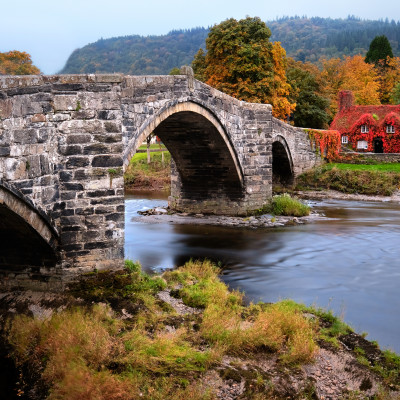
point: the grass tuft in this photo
(283, 204)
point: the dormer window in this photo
(364, 129)
(390, 129)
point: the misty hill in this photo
(305, 39)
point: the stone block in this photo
(107, 161)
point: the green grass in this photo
(384, 167)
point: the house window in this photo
(364, 129)
(390, 129)
(345, 139)
(362, 144)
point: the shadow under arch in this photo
(282, 163)
(205, 158)
(27, 238)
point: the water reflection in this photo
(349, 263)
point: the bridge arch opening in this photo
(205, 165)
(26, 239)
(282, 164)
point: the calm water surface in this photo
(350, 263)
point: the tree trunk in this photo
(148, 149)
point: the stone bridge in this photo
(64, 143)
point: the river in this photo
(349, 263)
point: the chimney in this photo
(346, 100)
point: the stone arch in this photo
(205, 158)
(282, 162)
(27, 238)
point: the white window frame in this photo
(364, 128)
(345, 139)
(362, 145)
(390, 129)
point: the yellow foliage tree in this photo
(362, 79)
(282, 107)
(17, 63)
(331, 79)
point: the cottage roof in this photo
(350, 115)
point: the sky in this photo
(51, 30)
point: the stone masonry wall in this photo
(64, 141)
(299, 145)
(61, 149)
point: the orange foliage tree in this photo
(351, 73)
(242, 62)
(17, 63)
(331, 80)
(362, 79)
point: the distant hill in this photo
(308, 39)
(137, 55)
(305, 39)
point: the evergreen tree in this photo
(311, 106)
(379, 49)
(396, 94)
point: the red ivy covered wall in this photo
(377, 129)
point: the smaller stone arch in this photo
(26, 237)
(282, 162)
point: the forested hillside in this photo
(137, 55)
(305, 39)
(309, 39)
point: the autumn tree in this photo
(361, 78)
(331, 81)
(379, 50)
(242, 62)
(311, 105)
(17, 63)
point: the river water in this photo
(349, 263)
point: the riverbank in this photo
(184, 335)
(366, 179)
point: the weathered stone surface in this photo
(64, 140)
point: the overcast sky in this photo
(51, 30)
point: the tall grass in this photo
(91, 353)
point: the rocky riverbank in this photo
(184, 336)
(165, 215)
